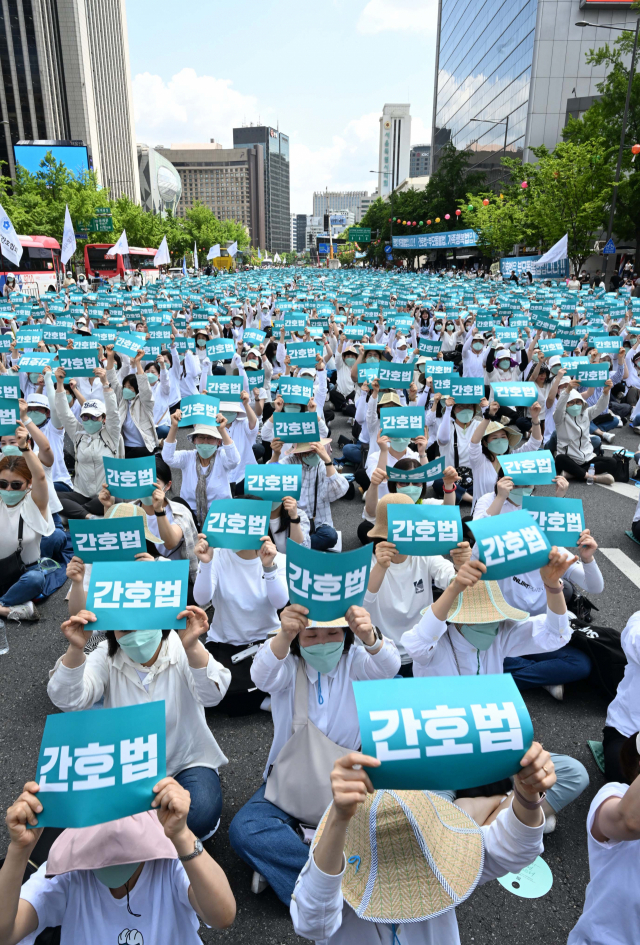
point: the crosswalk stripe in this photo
(624, 563)
(622, 488)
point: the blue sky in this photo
(322, 70)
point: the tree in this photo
(499, 224)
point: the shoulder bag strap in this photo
(315, 499)
(20, 530)
(456, 458)
(301, 697)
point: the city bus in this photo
(39, 269)
(98, 265)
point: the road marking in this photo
(622, 561)
(622, 488)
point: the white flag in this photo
(162, 257)
(11, 247)
(557, 251)
(68, 239)
(195, 255)
(214, 252)
(121, 247)
(276, 258)
(233, 249)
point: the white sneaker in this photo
(24, 612)
(607, 437)
(265, 705)
(556, 691)
(550, 822)
(258, 883)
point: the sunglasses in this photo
(14, 485)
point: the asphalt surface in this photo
(492, 914)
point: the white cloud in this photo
(378, 16)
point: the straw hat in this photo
(305, 447)
(379, 530)
(204, 429)
(483, 603)
(411, 855)
(513, 434)
(127, 510)
(391, 397)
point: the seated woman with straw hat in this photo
(391, 866)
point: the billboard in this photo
(75, 157)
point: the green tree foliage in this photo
(499, 224)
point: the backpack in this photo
(603, 646)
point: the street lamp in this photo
(623, 29)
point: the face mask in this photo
(414, 492)
(11, 450)
(152, 378)
(371, 360)
(516, 494)
(464, 416)
(480, 635)
(399, 445)
(141, 645)
(92, 426)
(513, 348)
(323, 657)
(127, 393)
(438, 326)
(206, 450)
(535, 358)
(229, 415)
(311, 460)
(554, 370)
(33, 377)
(292, 408)
(275, 505)
(477, 346)
(201, 342)
(70, 399)
(498, 446)
(574, 410)
(12, 498)
(237, 324)
(349, 361)
(115, 876)
(504, 365)
(37, 417)
(450, 328)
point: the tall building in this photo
(64, 76)
(395, 141)
(229, 181)
(160, 183)
(301, 232)
(520, 68)
(351, 200)
(275, 150)
(294, 230)
(420, 160)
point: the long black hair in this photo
(132, 380)
(405, 464)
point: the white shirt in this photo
(280, 537)
(484, 473)
(611, 914)
(224, 460)
(245, 597)
(344, 382)
(35, 527)
(336, 716)
(186, 692)
(130, 433)
(450, 433)
(624, 712)
(244, 438)
(404, 592)
(320, 913)
(87, 911)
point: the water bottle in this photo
(4, 643)
(590, 474)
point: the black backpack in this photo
(608, 661)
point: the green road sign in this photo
(360, 234)
(103, 211)
(101, 224)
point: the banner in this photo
(237, 523)
(296, 428)
(114, 539)
(327, 584)
(593, 374)
(130, 479)
(424, 529)
(523, 264)
(81, 364)
(139, 595)
(302, 354)
(509, 544)
(396, 376)
(9, 416)
(395, 421)
(221, 349)
(427, 473)
(444, 240)
(515, 393)
(273, 481)
(296, 390)
(529, 469)
(425, 745)
(114, 757)
(199, 408)
(466, 390)
(562, 520)
(225, 388)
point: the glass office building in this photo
(275, 148)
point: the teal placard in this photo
(427, 473)
(427, 346)
(183, 345)
(130, 343)
(466, 390)
(367, 371)
(529, 469)
(221, 349)
(9, 416)
(296, 390)
(82, 364)
(36, 361)
(543, 322)
(562, 520)
(274, 481)
(253, 336)
(130, 479)
(395, 376)
(10, 387)
(515, 393)
(571, 365)
(83, 342)
(510, 544)
(605, 344)
(442, 732)
(225, 388)
(302, 353)
(6, 341)
(424, 529)
(327, 584)
(506, 334)
(94, 767)
(199, 408)
(593, 374)
(298, 428)
(53, 334)
(442, 385)
(237, 523)
(114, 539)
(402, 421)
(256, 379)
(551, 347)
(138, 595)
(437, 368)
(28, 337)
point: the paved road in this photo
(492, 914)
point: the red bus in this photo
(98, 265)
(39, 268)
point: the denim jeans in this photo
(552, 442)
(163, 431)
(27, 587)
(568, 664)
(351, 453)
(51, 545)
(610, 424)
(60, 486)
(266, 838)
(203, 784)
(324, 538)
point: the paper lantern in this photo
(389, 219)
(501, 196)
(458, 212)
(470, 206)
(414, 223)
(485, 202)
(404, 222)
(635, 148)
(428, 222)
(394, 219)
(447, 216)
(421, 223)
(524, 185)
(437, 219)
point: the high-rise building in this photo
(229, 181)
(64, 76)
(301, 232)
(294, 230)
(395, 141)
(351, 200)
(275, 150)
(420, 160)
(160, 183)
(520, 69)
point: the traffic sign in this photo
(609, 247)
(101, 224)
(360, 234)
(102, 211)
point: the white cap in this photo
(38, 400)
(308, 371)
(94, 408)
(231, 406)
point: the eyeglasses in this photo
(14, 485)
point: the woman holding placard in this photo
(136, 410)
